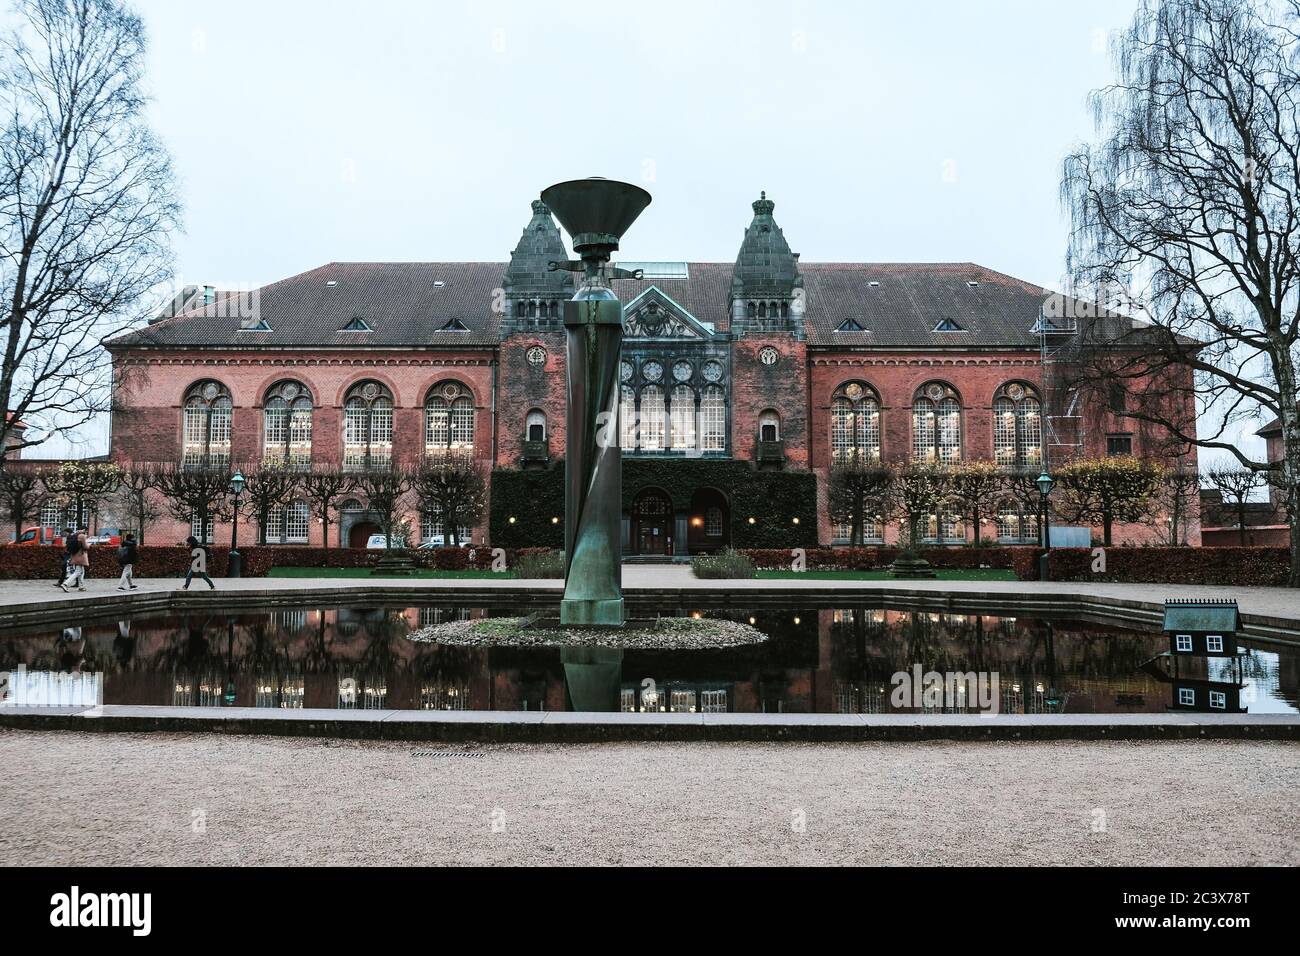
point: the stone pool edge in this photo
(572, 728)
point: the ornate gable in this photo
(655, 315)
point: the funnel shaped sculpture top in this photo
(596, 212)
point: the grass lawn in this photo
(365, 573)
(975, 574)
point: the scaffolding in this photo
(1060, 349)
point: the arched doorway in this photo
(652, 524)
(360, 533)
(709, 523)
(356, 524)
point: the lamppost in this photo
(235, 568)
(1045, 484)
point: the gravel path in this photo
(174, 799)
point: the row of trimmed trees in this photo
(1098, 492)
(141, 494)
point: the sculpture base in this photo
(603, 613)
(911, 567)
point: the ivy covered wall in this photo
(773, 499)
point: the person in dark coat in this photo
(198, 563)
(69, 548)
(126, 555)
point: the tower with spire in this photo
(534, 295)
(766, 288)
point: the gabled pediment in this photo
(655, 315)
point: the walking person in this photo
(126, 555)
(198, 563)
(78, 563)
(69, 545)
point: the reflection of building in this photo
(733, 373)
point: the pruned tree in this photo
(918, 490)
(975, 485)
(856, 488)
(195, 494)
(138, 495)
(1177, 500)
(385, 491)
(1186, 215)
(268, 486)
(81, 486)
(1106, 490)
(452, 487)
(323, 486)
(21, 492)
(1237, 486)
(86, 209)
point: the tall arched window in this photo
(627, 419)
(367, 427)
(682, 411)
(1017, 427)
(448, 419)
(713, 419)
(947, 526)
(855, 423)
(206, 437)
(535, 425)
(286, 425)
(652, 418)
(1016, 524)
(936, 424)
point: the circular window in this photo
(767, 356)
(210, 391)
(625, 371)
(652, 371)
(370, 392)
(288, 391)
(713, 371)
(537, 355)
(853, 391)
(935, 392)
(682, 371)
(1015, 392)
(451, 391)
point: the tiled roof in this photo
(899, 305)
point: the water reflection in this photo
(819, 660)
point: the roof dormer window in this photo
(850, 325)
(260, 325)
(357, 324)
(454, 325)
(948, 325)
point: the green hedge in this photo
(772, 498)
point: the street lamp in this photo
(235, 567)
(1045, 484)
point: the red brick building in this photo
(768, 363)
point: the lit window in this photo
(206, 438)
(947, 526)
(1214, 644)
(713, 419)
(432, 530)
(1186, 697)
(682, 412)
(936, 424)
(367, 427)
(627, 419)
(855, 423)
(1017, 428)
(1183, 642)
(286, 425)
(1015, 524)
(448, 419)
(652, 418)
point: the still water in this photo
(818, 660)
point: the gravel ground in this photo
(71, 798)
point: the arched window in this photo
(682, 411)
(947, 526)
(936, 424)
(627, 419)
(873, 529)
(751, 310)
(1016, 525)
(652, 418)
(769, 426)
(535, 425)
(286, 425)
(206, 437)
(448, 419)
(555, 310)
(1017, 428)
(433, 530)
(855, 423)
(288, 525)
(367, 427)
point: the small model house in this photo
(1202, 628)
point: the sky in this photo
(309, 132)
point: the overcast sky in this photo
(308, 132)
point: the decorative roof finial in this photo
(763, 206)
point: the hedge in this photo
(44, 561)
(772, 498)
(869, 559)
(1241, 567)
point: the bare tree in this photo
(21, 493)
(976, 486)
(323, 487)
(1176, 497)
(268, 486)
(138, 494)
(82, 486)
(856, 488)
(195, 494)
(86, 208)
(385, 491)
(918, 490)
(1236, 486)
(1190, 203)
(451, 487)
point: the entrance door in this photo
(652, 524)
(360, 533)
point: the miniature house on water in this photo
(1202, 628)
